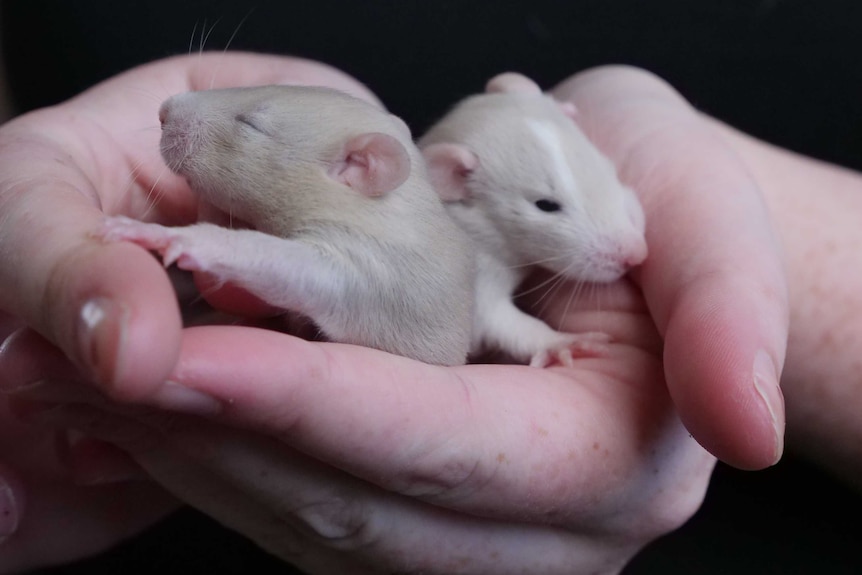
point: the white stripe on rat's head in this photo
(525, 182)
(548, 141)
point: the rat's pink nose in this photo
(636, 253)
(163, 113)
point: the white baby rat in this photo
(346, 227)
(526, 184)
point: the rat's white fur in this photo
(492, 158)
(388, 270)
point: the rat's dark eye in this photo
(548, 205)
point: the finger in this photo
(476, 438)
(109, 307)
(27, 359)
(365, 525)
(12, 502)
(63, 522)
(324, 520)
(714, 280)
(8, 325)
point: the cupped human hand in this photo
(387, 461)
(342, 459)
(108, 307)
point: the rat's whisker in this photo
(148, 129)
(596, 294)
(577, 287)
(149, 94)
(153, 195)
(553, 284)
(572, 293)
(536, 262)
(554, 277)
(547, 298)
(227, 45)
(192, 39)
(206, 38)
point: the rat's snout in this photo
(613, 257)
(179, 110)
(180, 131)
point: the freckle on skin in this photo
(596, 445)
(501, 458)
(542, 431)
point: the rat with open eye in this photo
(520, 177)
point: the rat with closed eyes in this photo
(525, 183)
(344, 226)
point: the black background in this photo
(787, 71)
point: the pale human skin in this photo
(508, 468)
(816, 207)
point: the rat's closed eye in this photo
(548, 205)
(249, 121)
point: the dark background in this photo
(787, 71)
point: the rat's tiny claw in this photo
(575, 346)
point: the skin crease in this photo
(390, 460)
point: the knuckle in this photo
(339, 522)
(444, 474)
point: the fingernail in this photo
(177, 397)
(8, 511)
(767, 386)
(101, 333)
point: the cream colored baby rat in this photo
(530, 189)
(345, 227)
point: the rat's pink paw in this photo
(572, 346)
(170, 243)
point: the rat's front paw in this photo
(571, 346)
(170, 243)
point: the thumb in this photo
(109, 307)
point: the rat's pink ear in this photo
(449, 165)
(512, 82)
(373, 164)
(568, 108)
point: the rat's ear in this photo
(449, 165)
(512, 82)
(568, 108)
(373, 164)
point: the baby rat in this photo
(346, 228)
(530, 189)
